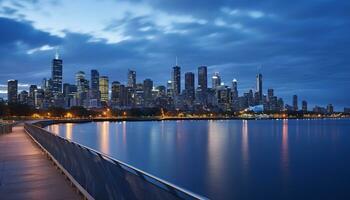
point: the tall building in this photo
(216, 80)
(23, 97)
(176, 80)
(131, 78)
(189, 87)
(295, 103)
(12, 91)
(104, 85)
(270, 93)
(330, 109)
(304, 106)
(115, 94)
(147, 91)
(56, 74)
(95, 84)
(259, 89)
(169, 88)
(234, 89)
(32, 89)
(82, 88)
(202, 78)
(39, 98)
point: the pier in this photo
(27, 173)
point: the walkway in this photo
(26, 172)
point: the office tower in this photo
(131, 78)
(23, 97)
(81, 83)
(304, 106)
(115, 94)
(259, 87)
(80, 75)
(95, 84)
(32, 89)
(56, 74)
(330, 109)
(202, 78)
(176, 80)
(123, 95)
(223, 96)
(319, 110)
(189, 87)
(216, 80)
(161, 91)
(234, 89)
(270, 93)
(12, 90)
(104, 85)
(69, 90)
(295, 102)
(39, 98)
(82, 88)
(234, 95)
(280, 104)
(147, 91)
(169, 89)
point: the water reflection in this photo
(103, 129)
(216, 154)
(55, 128)
(245, 145)
(284, 148)
(69, 130)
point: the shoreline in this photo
(46, 122)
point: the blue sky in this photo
(302, 46)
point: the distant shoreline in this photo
(46, 122)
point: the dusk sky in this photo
(303, 46)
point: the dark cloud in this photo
(303, 47)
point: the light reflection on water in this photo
(234, 159)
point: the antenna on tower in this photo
(57, 55)
(258, 69)
(176, 61)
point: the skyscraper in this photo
(234, 89)
(131, 78)
(115, 95)
(23, 97)
(270, 93)
(202, 78)
(147, 91)
(304, 106)
(82, 87)
(104, 88)
(56, 74)
(95, 84)
(189, 87)
(330, 109)
(12, 90)
(176, 80)
(216, 80)
(169, 88)
(259, 89)
(295, 102)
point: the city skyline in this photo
(302, 52)
(99, 91)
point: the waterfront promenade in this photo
(27, 173)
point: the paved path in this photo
(26, 172)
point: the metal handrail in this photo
(176, 191)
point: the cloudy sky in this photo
(302, 46)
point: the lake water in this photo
(231, 159)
